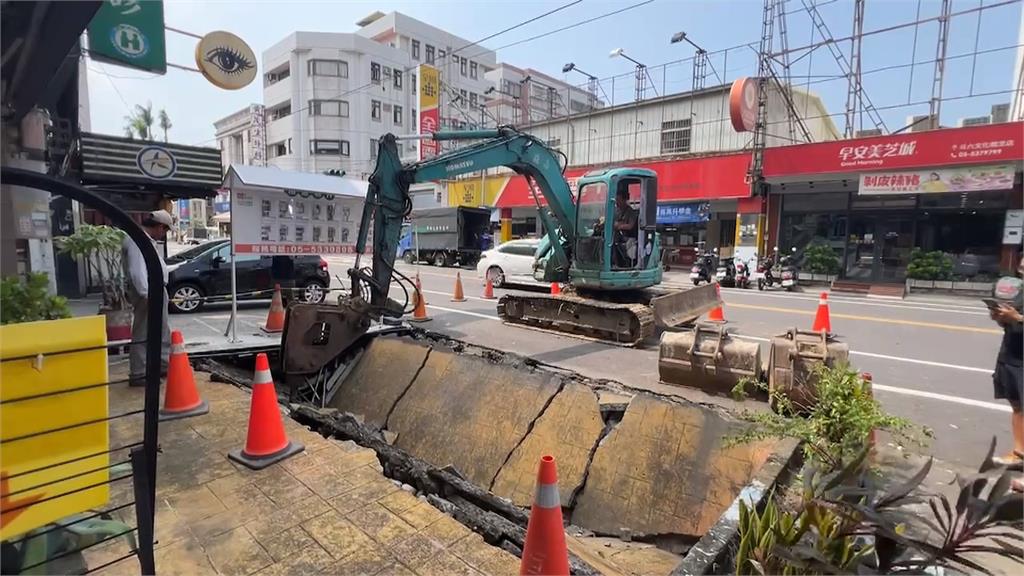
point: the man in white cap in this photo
(156, 224)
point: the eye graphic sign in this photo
(226, 60)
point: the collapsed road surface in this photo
(631, 464)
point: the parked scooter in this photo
(725, 274)
(742, 274)
(790, 275)
(702, 266)
(764, 276)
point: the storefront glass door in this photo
(879, 248)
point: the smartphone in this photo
(992, 303)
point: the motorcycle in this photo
(763, 275)
(701, 270)
(742, 274)
(725, 274)
(790, 276)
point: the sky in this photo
(972, 83)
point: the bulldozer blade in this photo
(684, 306)
(315, 334)
(707, 358)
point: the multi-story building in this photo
(242, 137)
(523, 96)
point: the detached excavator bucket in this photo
(707, 358)
(684, 306)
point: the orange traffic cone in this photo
(182, 398)
(488, 289)
(717, 315)
(458, 296)
(544, 551)
(266, 442)
(822, 323)
(556, 288)
(419, 313)
(275, 318)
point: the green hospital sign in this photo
(130, 33)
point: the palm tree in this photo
(141, 121)
(165, 122)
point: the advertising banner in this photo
(429, 109)
(130, 33)
(688, 213)
(272, 222)
(987, 144)
(964, 179)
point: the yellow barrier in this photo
(54, 432)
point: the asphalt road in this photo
(931, 358)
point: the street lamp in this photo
(700, 60)
(641, 69)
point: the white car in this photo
(509, 263)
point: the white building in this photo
(242, 137)
(675, 125)
(522, 96)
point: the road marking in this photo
(943, 397)
(871, 319)
(970, 310)
(887, 357)
(425, 291)
(466, 312)
(208, 325)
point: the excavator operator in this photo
(625, 228)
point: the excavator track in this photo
(625, 324)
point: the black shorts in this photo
(1008, 383)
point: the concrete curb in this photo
(713, 553)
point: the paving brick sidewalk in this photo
(328, 510)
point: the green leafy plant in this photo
(933, 265)
(820, 258)
(30, 300)
(835, 426)
(848, 523)
(100, 248)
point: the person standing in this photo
(156, 224)
(1007, 378)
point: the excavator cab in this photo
(617, 247)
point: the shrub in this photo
(30, 300)
(100, 248)
(821, 259)
(933, 265)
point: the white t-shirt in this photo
(135, 266)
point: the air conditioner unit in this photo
(867, 133)
(975, 121)
(1000, 113)
(921, 122)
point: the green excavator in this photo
(611, 273)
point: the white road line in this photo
(887, 357)
(449, 295)
(943, 398)
(466, 312)
(973, 311)
(208, 325)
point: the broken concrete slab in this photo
(380, 378)
(568, 430)
(663, 470)
(468, 411)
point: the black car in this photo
(205, 270)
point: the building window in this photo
(463, 62)
(280, 111)
(412, 82)
(373, 148)
(463, 96)
(412, 116)
(396, 115)
(374, 72)
(473, 70)
(332, 147)
(375, 110)
(328, 108)
(337, 68)
(415, 49)
(473, 99)
(398, 79)
(554, 143)
(277, 149)
(512, 89)
(430, 54)
(675, 136)
(276, 76)
(440, 55)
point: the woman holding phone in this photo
(1007, 379)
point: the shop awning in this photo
(947, 147)
(269, 177)
(707, 178)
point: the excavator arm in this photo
(388, 202)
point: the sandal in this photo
(1013, 461)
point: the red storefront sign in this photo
(986, 144)
(710, 178)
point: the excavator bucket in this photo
(684, 306)
(707, 358)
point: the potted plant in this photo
(30, 301)
(821, 259)
(934, 267)
(100, 248)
